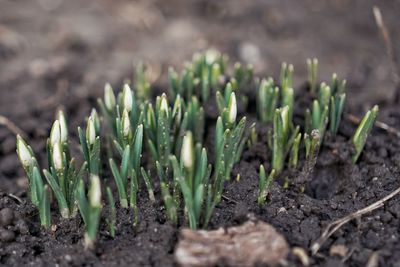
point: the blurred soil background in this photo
(58, 53)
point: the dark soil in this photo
(61, 54)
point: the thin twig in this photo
(356, 120)
(229, 199)
(389, 49)
(333, 227)
(12, 126)
(16, 198)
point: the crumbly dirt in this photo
(60, 53)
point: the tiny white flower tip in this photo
(126, 124)
(109, 97)
(95, 191)
(55, 133)
(23, 152)
(127, 93)
(57, 156)
(211, 56)
(63, 126)
(91, 131)
(187, 150)
(164, 103)
(232, 108)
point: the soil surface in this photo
(58, 54)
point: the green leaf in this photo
(364, 128)
(120, 184)
(62, 203)
(146, 178)
(44, 210)
(113, 213)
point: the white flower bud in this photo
(109, 97)
(285, 118)
(95, 191)
(126, 123)
(55, 133)
(90, 131)
(63, 126)
(24, 153)
(187, 151)
(127, 97)
(211, 56)
(232, 108)
(96, 120)
(58, 156)
(164, 104)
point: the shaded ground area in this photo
(60, 53)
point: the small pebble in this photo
(7, 235)
(6, 216)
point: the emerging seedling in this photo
(193, 174)
(122, 177)
(113, 213)
(312, 67)
(39, 193)
(286, 76)
(90, 208)
(90, 143)
(280, 137)
(336, 110)
(62, 175)
(364, 128)
(164, 128)
(264, 185)
(268, 96)
(312, 144)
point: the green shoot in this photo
(280, 137)
(62, 175)
(44, 208)
(163, 128)
(294, 152)
(312, 144)
(252, 138)
(267, 100)
(317, 119)
(336, 110)
(30, 165)
(122, 175)
(146, 178)
(312, 67)
(90, 144)
(286, 77)
(171, 203)
(338, 87)
(193, 174)
(364, 128)
(324, 95)
(113, 213)
(90, 208)
(264, 185)
(195, 119)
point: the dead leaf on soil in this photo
(245, 245)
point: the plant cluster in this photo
(172, 131)
(275, 105)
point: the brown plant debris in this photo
(245, 245)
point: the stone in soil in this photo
(246, 245)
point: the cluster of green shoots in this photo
(171, 131)
(63, 178)
(275, 105)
